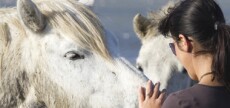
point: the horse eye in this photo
(73, 55)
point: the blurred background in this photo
(117, 16)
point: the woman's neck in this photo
(203, 70)
(208, 80)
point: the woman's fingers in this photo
(161, 98)
(149, 89)
(141, 94)
(156, 91)
(150, 97)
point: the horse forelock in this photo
(78, 23)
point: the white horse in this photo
(155, 57)
(53, 54)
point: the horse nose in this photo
(139, 67)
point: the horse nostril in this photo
(140, 68)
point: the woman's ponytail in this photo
(221, 58)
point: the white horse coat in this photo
(54, 55)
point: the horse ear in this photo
(140, 25)
(30, 15)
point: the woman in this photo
(202, 44)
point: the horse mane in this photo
(77, 21)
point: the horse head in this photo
(155, 58)
(54, 54)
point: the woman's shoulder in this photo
(198, 90)
(180, 99)
(196, 97)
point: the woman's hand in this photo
(151, 97)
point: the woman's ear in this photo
(185, 44)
